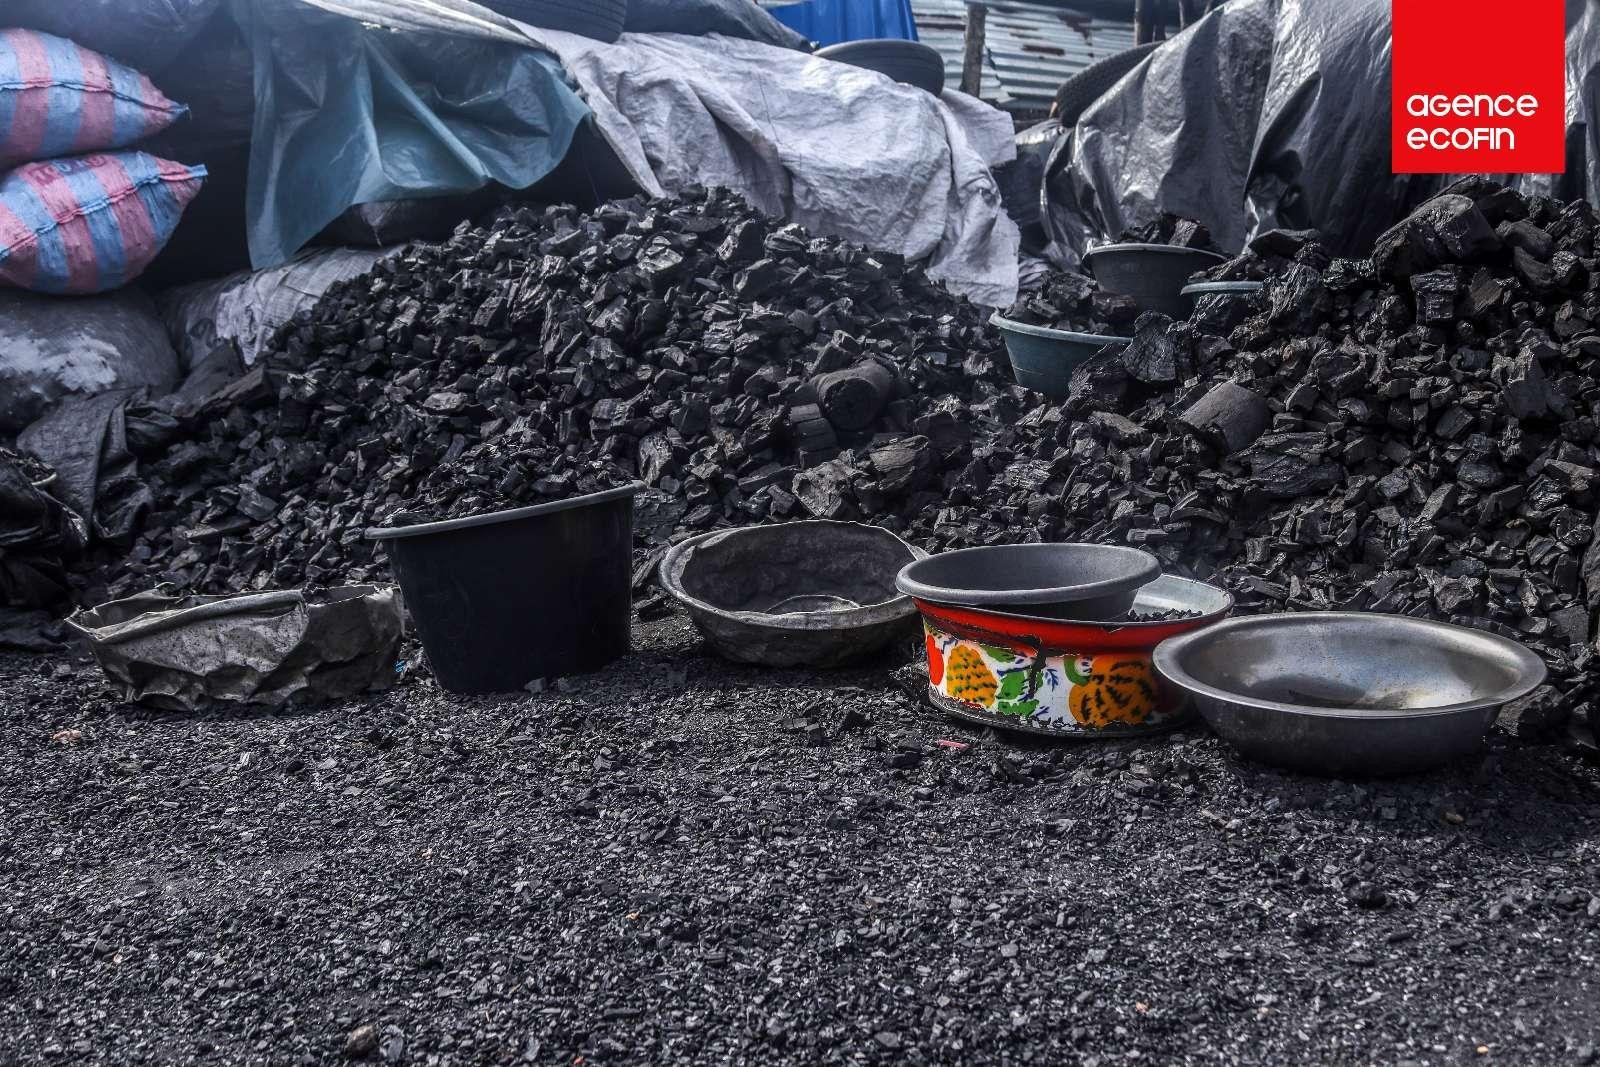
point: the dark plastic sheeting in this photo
(1269, 113)
(350, 114)
(832, 21)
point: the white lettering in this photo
(1471, 105)
(1462, 138)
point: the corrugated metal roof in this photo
(1030, 48)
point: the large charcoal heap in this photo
(1418, 432)
(711, 350)
(515, 468)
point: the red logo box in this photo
(1479, 86)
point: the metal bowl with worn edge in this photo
(813, 593)
(1349, 694)
(1062, 679)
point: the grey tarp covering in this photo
(86, 440)
(1267, 114)
(843, 151)
(189, 653)
(249, 307)
(53, 347)
(95, 443)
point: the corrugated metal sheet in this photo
(1031, 48)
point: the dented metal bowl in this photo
(814, 593)
(1349, 693)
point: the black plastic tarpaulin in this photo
(1266, 114)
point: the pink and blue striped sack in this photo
(60, 99)
(90, 224)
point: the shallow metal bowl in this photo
(814, 593)
(1349, 693)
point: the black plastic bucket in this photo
(500, 600)
(1154, 275)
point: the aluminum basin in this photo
(1349, 694)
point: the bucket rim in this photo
(1004, 324)
(423, 529)
(1207, 288)
(1148, 246)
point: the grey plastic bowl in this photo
(1349, 693)
(1077, 582)
(1043, 359)
(1154, 275)
(814, 593)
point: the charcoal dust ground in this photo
(685, 862)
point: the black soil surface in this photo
(689, 863)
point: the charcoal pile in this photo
(720, 356)
(517, 468)
(1071, 301)
(1268, 254)
(1417, 432)
(1170, 229)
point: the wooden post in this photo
(1143, 22)
(972, 58)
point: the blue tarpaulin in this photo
(832, 21)
(351, 113)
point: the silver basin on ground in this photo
(1349, 693)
